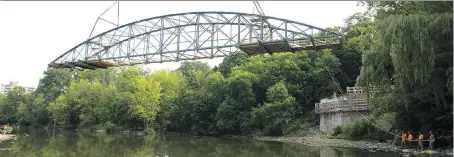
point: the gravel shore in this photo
(6, 137)
(365, 145)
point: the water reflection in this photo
(75, 144)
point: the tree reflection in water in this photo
(39, 143)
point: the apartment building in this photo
(5, 88)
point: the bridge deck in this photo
(283, 46)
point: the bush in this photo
(397, 140)
(329, 136)
(298, 127)
(108, 126)
(149, 131)
(363, 129)
(111, 127)
(337, 130)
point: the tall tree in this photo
(145, 99)
(54, 82)
(236, 59)
(275, 115)
(414, 61)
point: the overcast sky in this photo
(32, 34)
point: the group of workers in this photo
(407, 140)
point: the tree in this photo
(235, 59)
(145, 99)
(33, 111)
(13, 100)
(60, 110)
(2, 97)
(305, 74)
(187, 67)
(54, 82)
(275, 115)
(357, 38)
(412, 65)
(233, 115)
(383, 9)
(171, 83)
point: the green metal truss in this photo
(194, 35)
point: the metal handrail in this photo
(357, 105)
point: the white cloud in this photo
(32, 34)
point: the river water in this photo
(40, 143)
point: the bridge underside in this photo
(252, 49)
(191, 36)
(280, 46)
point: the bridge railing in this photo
(318, 41)
(340, 106)
(354, 90)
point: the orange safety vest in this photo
(421, 137)
(410, 137)
(404, 136)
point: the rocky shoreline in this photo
(316, 140)
(319, 141)
(6, 137)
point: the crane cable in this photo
(260, 11)
(350, 103)
(100, 17)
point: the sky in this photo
(32, 34)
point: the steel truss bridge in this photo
(194, 35)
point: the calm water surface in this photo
(39, 143)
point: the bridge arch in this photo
(194, 35)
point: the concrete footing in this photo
(329, 121)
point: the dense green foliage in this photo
(363, 129)
(404, 49)
(270, 95)
(411, 65)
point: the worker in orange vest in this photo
(4, 127)
(404, 138)
(420, 138)
(410, 137)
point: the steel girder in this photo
(194, 35)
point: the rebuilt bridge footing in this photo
(340, 111)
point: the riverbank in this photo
(309, 138)
(320, 141)
(6, 137)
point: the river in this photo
(40, 143)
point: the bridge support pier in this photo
(340, 111)
(329, 121)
